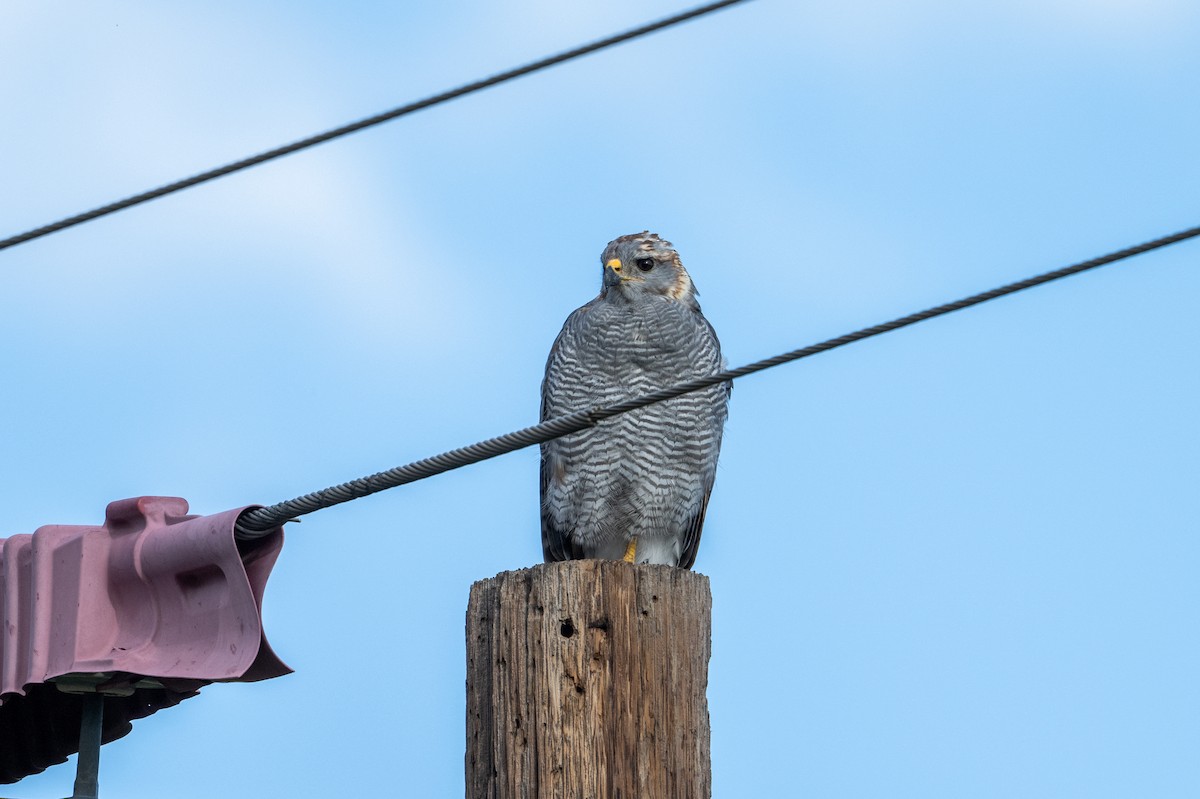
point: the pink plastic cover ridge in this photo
(152, 593)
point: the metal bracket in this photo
(87, 768)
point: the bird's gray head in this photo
(641, 265)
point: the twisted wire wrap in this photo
(258, 522)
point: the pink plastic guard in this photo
(146, 609)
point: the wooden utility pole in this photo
(586, 680)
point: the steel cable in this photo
(361, 124)
(258, 522)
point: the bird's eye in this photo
(645, 264)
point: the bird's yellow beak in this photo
(612, 273)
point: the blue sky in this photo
(957, 560)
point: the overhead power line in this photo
(362, 124)
(257, 522)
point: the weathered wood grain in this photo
(586, 680)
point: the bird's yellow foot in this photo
(631, 550)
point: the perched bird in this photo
(636, 486)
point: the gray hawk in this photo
(634, 487)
